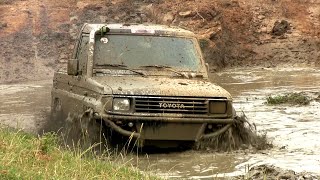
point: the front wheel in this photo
(86, 132)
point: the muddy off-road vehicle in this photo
(147, 82)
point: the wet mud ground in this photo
(294, 130)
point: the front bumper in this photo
(198, 123)
(168, 119)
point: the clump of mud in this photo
(241, 135)
(265, 172)
(280, 28)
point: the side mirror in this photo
(72, 67)
(207, 66)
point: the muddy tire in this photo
(94, 134)
(56, 121)
(86, 132)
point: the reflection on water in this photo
(294, 130)
(237, 81)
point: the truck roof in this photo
(150, 29)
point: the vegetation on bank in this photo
(289, 98)
(24, 156)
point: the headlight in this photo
(218, 107)
(121, 104)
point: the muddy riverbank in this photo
(292, 129)
(37, 36)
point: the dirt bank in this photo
(36, 37)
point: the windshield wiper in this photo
(167, 68)
(120, 66)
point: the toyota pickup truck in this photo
(146, 82)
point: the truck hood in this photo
(158, 86)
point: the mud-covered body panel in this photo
(161, 86)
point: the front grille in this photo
(171, 105)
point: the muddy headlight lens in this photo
(218, 107)
(121, 104)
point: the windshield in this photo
(136, 52)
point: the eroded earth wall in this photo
(37, 36)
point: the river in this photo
(294, 130)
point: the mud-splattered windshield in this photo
(136, 52)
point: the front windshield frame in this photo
(198, 55)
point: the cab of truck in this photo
(149, 82)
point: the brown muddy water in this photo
(294, 130)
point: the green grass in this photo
(289, 98)
(24, 156)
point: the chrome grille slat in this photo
(154, 105)
(139, 101)
(180, 110)
(177, 105)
